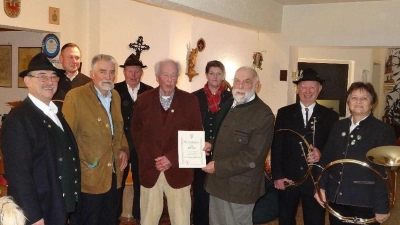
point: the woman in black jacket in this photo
(353, 190)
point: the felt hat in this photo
(308, 74)
(40, 62)
(133, 60)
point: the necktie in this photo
(306, 117)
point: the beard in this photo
(241, 96)
(106, 85)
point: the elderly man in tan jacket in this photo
(94, 113)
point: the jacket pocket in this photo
(241, 137)
(363, 182)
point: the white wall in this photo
(108, 26)
(16, 39)
(364, 25)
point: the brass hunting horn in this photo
(388, 156)
(268, 173)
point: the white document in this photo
(190, 149)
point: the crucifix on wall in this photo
(138, 46)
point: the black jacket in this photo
(32, 162)
(127, 106)
(287, 159)
(352, 184)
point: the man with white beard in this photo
(94, 113)
(245, 129)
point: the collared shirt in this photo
(106, 102)
(166, 100)
(250, 99)
(310, 112)
(72, 78)
(133, 92)
(50, 110)
(354, 125)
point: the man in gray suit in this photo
(235, 180)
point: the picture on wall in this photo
(25, 54)
(5, 65)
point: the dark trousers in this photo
(313, 213)
(101, 209)
(350, 211)
(201, 199)
(134, 165)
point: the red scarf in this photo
(213, 99)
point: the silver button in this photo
(69, 148)
(76, 181)
(73, 158)
(340, 193)
(301, 168)
(60, 177)
(63, 194)
(76, 170)
(338, 182)
(60, 159)
(75, 193)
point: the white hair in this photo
(10, 213)
(157, 66)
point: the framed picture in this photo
(25, 54)
(5, 66)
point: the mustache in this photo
(48, 86)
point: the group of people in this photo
(66, 163)
(350, 190)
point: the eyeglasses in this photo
(46, 78)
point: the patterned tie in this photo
(306, 117)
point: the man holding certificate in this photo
(235, 180)
(158, 116)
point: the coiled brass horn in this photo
(388, 156)
(268, 173)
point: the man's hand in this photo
(381, 217)
(321, 201)
(314, 155)
(280, 184)
(209, 167)
(162, 163)
(40, 222)
(207, 148)
(124, 160)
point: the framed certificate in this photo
(190, 149)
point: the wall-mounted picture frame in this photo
(25, 54)
(5, 66)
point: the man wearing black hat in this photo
(40, 152)
(289, 164)
(129, 90)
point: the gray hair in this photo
(107, 58)
(157, 66)
(252, 71)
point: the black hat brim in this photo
(321, 81)
(59, 72)
(142, 66)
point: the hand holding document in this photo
(190, 149)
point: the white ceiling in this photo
(259, 15)
(303, 2)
